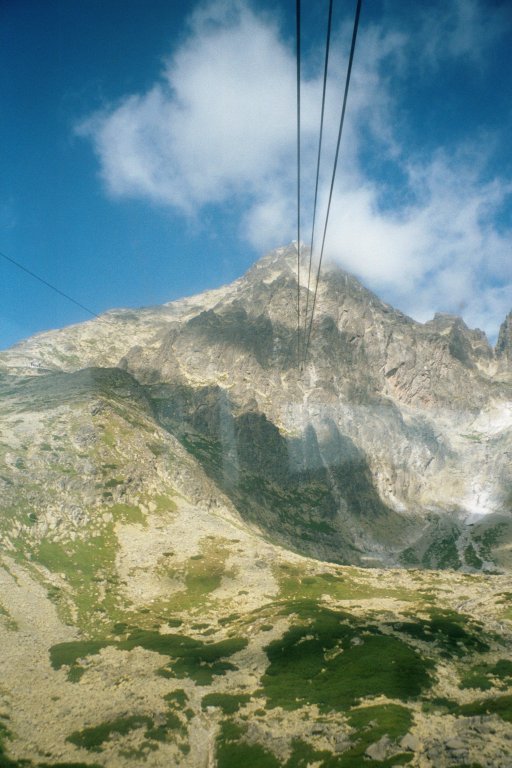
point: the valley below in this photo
(205, 647)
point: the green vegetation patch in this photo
(127, 513)
(471, 557)
(502, 669)
(371, 724)
(232, 751)
(7, 619)
(113, 482)
(409, 556)
(292, 505)
(93, 738)
(295, 584)
(476, 678)
(227, 702)
(468, 765)
(501, 706)
(439, 706)
(172, 725)
(506, 599)
(332, 661)
(89, 567)
(455, 633)
(61, 765)
(85, 563)
(5, 734)
(389, 720)
(164, 504)
(443, 553)
(157, 449)
(484, 676)
(202, 575)
(303, 755)
(489, 539)
(208, 451)
(177, 698)
(190, 658)
(69, 653)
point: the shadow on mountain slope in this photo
(305, 493)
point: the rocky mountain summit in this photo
(187, 516)
(504, 343)
(393, 444)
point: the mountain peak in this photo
(504, 343)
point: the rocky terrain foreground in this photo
(185, 517)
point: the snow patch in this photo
(478, 503)
(495, 420)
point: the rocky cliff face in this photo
(392, 445)
(504, 343)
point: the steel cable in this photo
(340, 131)
(324, 88)
(297, 17)
(48, 285)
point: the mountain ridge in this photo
(391, 424)
(281, 261)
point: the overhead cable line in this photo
(342, 120)
(326, 66)
(48, 285)
(297, 18)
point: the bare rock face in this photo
(504, 343)
(391, 444)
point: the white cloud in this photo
(218, 124)
(443, 253)
(459, 29)
(219, 128)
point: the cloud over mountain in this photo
(421, 224)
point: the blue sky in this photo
(147, 151)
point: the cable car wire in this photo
(324, 88)
(48, 285)
(340, 131)
(297, 17)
